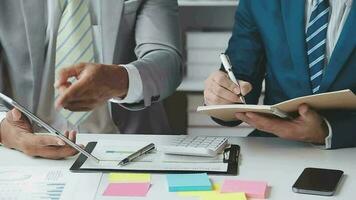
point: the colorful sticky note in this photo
(253, 189)
(226, 196)
(127, 189)
(216, 188)
(188, 182)
(129, 177)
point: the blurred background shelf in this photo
(206, 28)
(191, 85)
(207, 2)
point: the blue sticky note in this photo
(188, 182)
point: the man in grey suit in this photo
(86, 65)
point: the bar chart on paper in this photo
(31, 184)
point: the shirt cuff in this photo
(135, 90)
(329, 137)
(2, 116)
(327, 140)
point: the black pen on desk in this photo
(137, 154)
(228, 67)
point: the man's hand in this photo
(309, 126)
(95, 84)
(16, 133)
(219, 89)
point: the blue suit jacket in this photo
(268, 42)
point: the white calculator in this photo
(196, 146)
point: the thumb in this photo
(245, 87)
(306, 112)
(14, 115)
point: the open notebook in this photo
(343, 99)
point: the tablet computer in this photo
(49, 128)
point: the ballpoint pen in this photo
(228, 67)
(137, 154)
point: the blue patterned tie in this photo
(316, 42)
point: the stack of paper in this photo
(128, 184)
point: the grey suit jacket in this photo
(144, 33)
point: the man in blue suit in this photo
(299, 47)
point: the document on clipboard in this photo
(155, 161)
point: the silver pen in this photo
(228, 67)
(137, 154)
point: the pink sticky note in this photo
(127, 189)
(253, 189)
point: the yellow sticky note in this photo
(216, 188)
(129, 177)
(226, 196)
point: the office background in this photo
(206, 28)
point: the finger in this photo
(72, 136)
(52, 152)
(273, 125)
(223, 80)
(243, 117)
(213, 99)
(244, 89)
(224, 93)
(71, 92)
(16, 114)
(62, 88)
(16, 118)
(45, 140)
(66, 134)
(307, 114)
(65, 73)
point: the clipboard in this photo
(230, 158)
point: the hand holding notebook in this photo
(343, 99)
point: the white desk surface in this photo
(276, 161)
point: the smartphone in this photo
(49, 128)
(318, 181)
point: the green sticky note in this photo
(129, 177)
(188, 182)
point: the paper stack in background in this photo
(203, 50)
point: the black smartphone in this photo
(318, 181)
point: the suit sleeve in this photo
(158, 50)
(246, 53)
(343, 128)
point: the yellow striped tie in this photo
(74, 44)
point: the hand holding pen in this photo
(223, 88)
(228, 67)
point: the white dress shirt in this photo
(339, 11)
